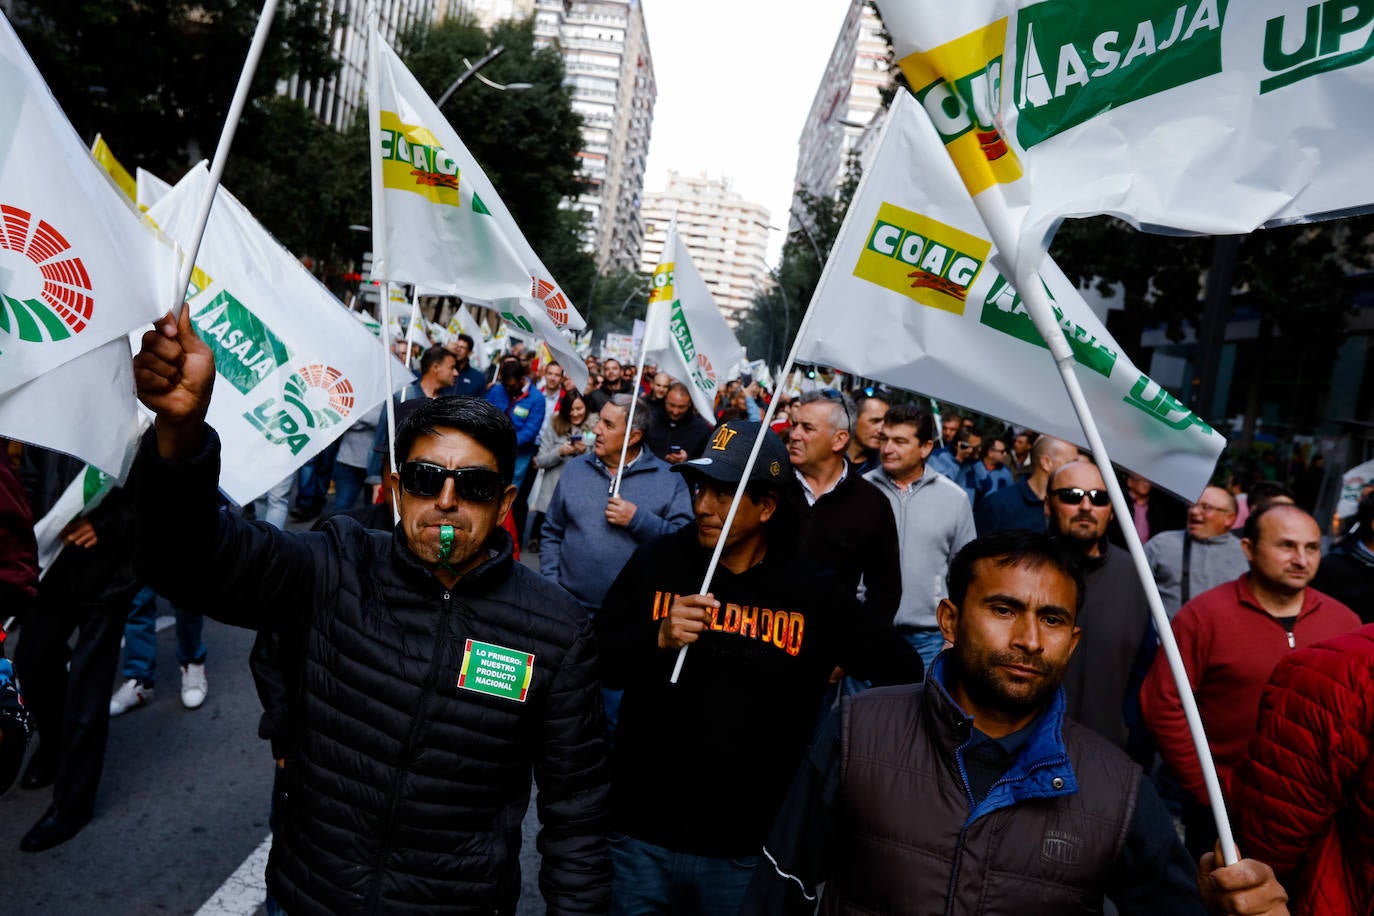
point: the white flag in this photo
(1197, 115)
(438, 222)
(151, 189)
(78, 268)
(86, 491)
(84, 408)
(687, 336)
(294, 369)
(910, 297)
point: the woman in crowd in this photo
(566, 436)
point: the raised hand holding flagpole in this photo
(226, 139)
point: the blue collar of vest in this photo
(1042, 770)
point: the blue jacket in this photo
(471, 382)
(1015, 506)
(583, 552)
(987, 482)
(526, 412)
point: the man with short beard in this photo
(434, 673)
(1115, 617)
(676, 431)
(1230, 638)
(469, 381)
(613, 384)
(973, 793)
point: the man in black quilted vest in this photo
(433, 674)
(972, 793)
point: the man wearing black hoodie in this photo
(1102, 682)
(732, 730)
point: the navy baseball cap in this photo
(728, 450)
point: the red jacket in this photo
(1229, 645)
(1304, 799)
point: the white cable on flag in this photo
(226, 139)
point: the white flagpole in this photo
(414, 320)
(1033, 294)
(226, 139)
(379, 247)
(764, 430)
(1032, 291)
(639, 379)
(630, 416)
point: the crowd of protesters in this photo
(923, 678)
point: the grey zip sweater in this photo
(1211, 562)
(933, 521)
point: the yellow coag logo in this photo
(414, 160)
(921, 258)
(959, 85)
(663, 283)
(722, 438)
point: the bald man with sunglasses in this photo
(432, 673)
(1104, 675)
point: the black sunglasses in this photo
(475, 485)
(1072, 496)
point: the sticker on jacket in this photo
(522, 412)
(496, 670)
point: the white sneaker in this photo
(193, 686)
(130, 695)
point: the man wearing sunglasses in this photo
(1115, 616)
(433, 676)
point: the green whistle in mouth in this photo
(445, 543)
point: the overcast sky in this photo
(735, 81)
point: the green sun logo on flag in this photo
(321, 394)
(45, 292)
(315, 397)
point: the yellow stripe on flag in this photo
(101, 151)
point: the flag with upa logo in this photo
(437, 220)
(686, 334)
(1208, 116)
(78, 267)
(910, 297)
(294, 369)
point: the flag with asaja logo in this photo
(438, 222)
(294, 368)
(911, 296)
(78, 268)
(1205, 116)
(686, 334)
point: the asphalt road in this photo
(183, 803)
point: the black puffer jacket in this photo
(408, 791)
